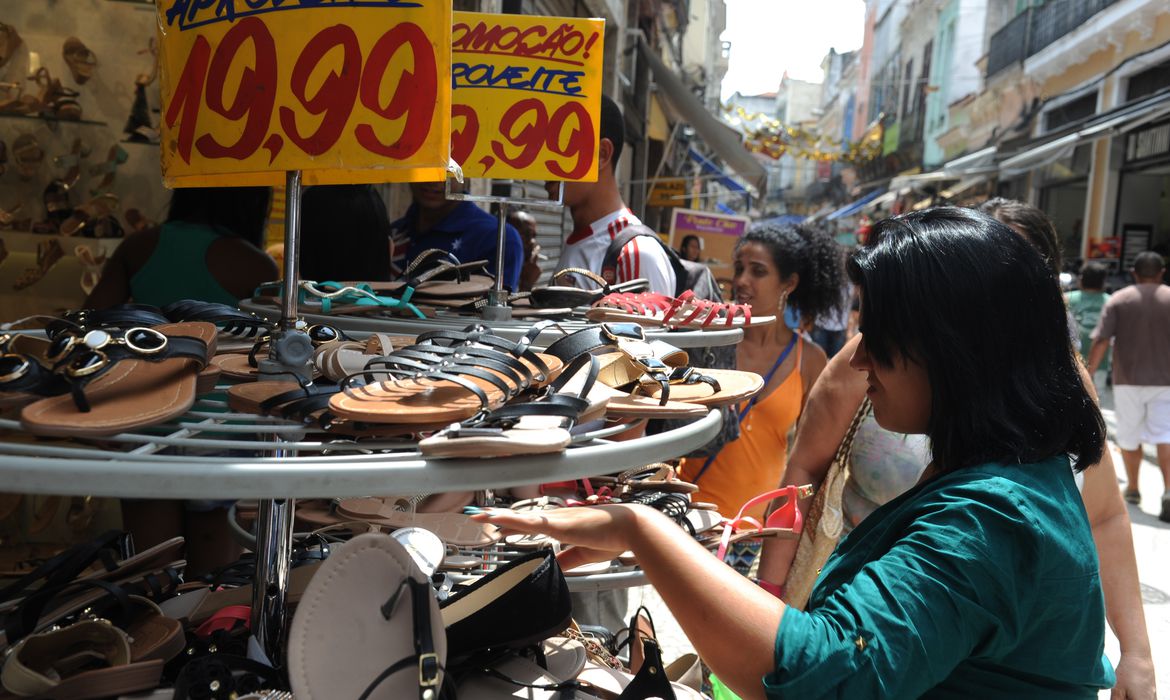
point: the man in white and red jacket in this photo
(599, 214)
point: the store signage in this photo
(347, 92)
(526, 93)
(1148, 143)
(718, 232)
(667, 192)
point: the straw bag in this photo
(823, 523)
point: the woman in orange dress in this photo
(775, 266)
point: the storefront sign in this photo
(526, 96)
(347, 92)
(1148, 143)
(718, 232)
(667, 192)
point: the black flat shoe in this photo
(520, 603)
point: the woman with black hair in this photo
(208, 249)
(691, 248)
(981, 580)
(775, 266)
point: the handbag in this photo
(824, 521)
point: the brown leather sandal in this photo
(121, 380)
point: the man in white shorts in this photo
(1137, 319)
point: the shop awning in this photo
(903, 181)
(982, 160)
(1106, 125)
(709, 167)
(724, 142)
(855, 206)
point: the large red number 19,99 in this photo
(204, 75)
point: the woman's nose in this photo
(860, 359)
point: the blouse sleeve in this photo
(911, 615)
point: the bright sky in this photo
(770, 36)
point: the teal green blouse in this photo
(979, 583)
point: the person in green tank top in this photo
(208, 249)
(1086, 303)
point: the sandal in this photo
(87, 215)
(553, 295)
(785, 521)
(535, 427)
(122, 380)
(332, 298)
(372, 606)
(438, 274)
(10, 41)
(56, 101)
(89, 659)
(72, 161)
(686, 312)
(49, 253)
(447, 377)
(80, 59)
(27, 154)
(453, 528)
(115, 157)
(56, 201)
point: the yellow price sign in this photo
(354, 92)
(667, 192)
(526, 96)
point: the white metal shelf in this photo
(201, 457)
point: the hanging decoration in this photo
(769, 136)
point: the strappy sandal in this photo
(785, 521)
(88, 214)
(438, 274)
(80, 59)
(121, 380)
(72, 162)
(108, 169)
(334, 298)
(554, 295)
(246, 366)
(534, 427)
(652, 477)
(56, 101)
(28, 155)
(49, 253)
(685, 312)
(449, 376)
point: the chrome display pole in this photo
(497, 308)
(289, 353)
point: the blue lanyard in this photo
(747, 409)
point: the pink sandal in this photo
(686, 312)
(786, 521)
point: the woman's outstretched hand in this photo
(594, 533)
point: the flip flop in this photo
(125, 380)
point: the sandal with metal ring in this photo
(121, 380)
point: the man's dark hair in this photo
(612, 127)
(944, 288)
(354, 214)
(1148, 264)
(240, 211)
(1030, 221)
(1093, 275)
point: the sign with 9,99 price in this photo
(527, 95)
(347, 91)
